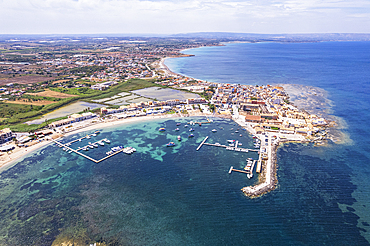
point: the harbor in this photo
(248, 169)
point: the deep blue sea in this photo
(179, 196)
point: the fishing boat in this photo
(191, 135)
(162, 129)
(179, 138)
(170, 144)
(117, 148)
(214, 130)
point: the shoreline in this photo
(267, 179)
(9, 160)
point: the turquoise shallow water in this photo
(178, 196)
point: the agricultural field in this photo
(27, 79)
(50, 93)
(28, 102)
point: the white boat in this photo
(94, 135)
(214, 130)
(129, 150)
(179, 138)
(95, 145)
(186, 126)
(231, 141)
(109, 152)
(107, 141)
(250, 175)
(101, 143)
(88, 136)
(91, 147)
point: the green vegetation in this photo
(286, 101)
(171, 112)
(212, 107)
(254, 98)
(15, 114)
(129, 85)
(274, 128)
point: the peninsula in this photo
(118, 75)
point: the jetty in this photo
(231, 148)
(83, 155)
(236, 170)
(201, 144)
(200, 122)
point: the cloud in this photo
(175, 16)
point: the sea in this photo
(163, 195)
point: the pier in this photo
(236, 170)
(254, 162)
(231, 148)
(201, 144)
(83, 155)
(200, 123)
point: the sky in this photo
(183, 16)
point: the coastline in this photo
(268, 177)
(9, 160)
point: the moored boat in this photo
(191, 135)
(214, 130)
(179, 138)
(162, 129)
(170, 144)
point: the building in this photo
(5, 135)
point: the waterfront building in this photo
(5, 135)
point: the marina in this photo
(83, 155)
(92, 145)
